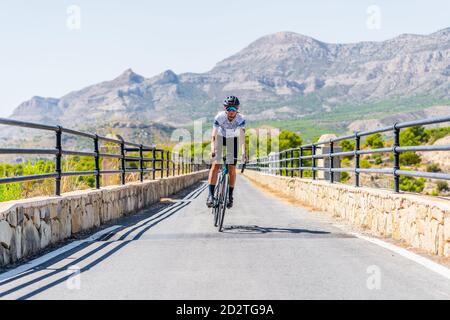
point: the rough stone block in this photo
(15, 250)
(6, 233)
(36, 217)
(11, 217)
(45, 234)
(30, 239)
(447, 229)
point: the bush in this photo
(433, 167)
(410, 184)
(10, 192)
(375, 141)
(442, 186)
(409, 158)
(347, 145)
(412, 136)
(377, 158)
(364, 164)
(437, 133)
(345, 176)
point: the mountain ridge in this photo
(285, 75)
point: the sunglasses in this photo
(231, 109)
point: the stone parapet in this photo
(422, 222)
(29, 225)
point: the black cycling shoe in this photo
(209, 201)
(230, 203)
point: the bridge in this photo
(287, 237)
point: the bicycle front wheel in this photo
(223, 202)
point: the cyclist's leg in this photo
(213, 172)
(232, 160)
(212, 178)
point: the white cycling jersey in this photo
(226, 128)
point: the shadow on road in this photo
(265, 230)
(149, 217)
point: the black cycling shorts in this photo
(231, 146)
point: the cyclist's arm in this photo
(213, 140)
(242, 140)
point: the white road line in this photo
(427, 263)
(38, 261)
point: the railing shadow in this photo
(151, 220)
(254, 229)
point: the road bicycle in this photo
(221, 195)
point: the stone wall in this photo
(27, 226)
(420, 221)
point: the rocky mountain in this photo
(280, 76)
(371, 124)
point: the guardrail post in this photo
(396, 158)
(168, 163)
(313, 162)
(178, 164)
(162, 164)
(154, 163)
(292, 163)
(277, 161)
(357, 158)
(141, 162)
(97, 162)
(300, 163)
(58, 167)
(331, 162)
(182, 165)
(173, 164)
(123, 162)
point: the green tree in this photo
(288, 140)
(437, 133)
(411, 184)
(412, 136)
(375, 141)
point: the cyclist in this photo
(229, 125)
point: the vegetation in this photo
(442, 186)
(410, 184)
(432, 167)
(286, 139)
(375, 141)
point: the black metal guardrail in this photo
(167, 165)
(287, 158)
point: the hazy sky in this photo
(45, 50)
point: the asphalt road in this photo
(270, 249)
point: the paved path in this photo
(270, 250)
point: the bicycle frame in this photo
(221, 195)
